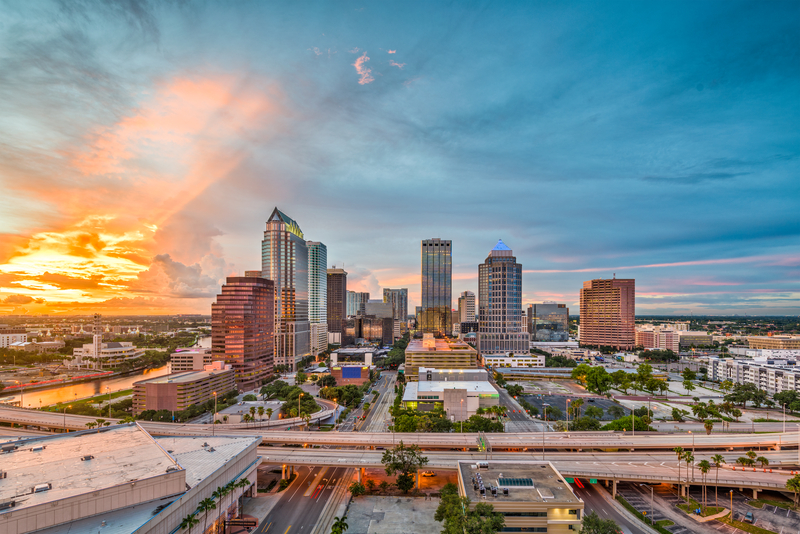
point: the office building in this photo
(379, 308)
(466, 307)
(531, 495)
(337, 304)
(398, 298)
(498, 360)
(99, 355)
(356, 303)
(317, 296)
(175, 392)
(548, 321)
(284, 260)
(773, 342)
(438, 353)
(243, 328)
(368, 329)
(192, 359)
(657, 338)
(501, 325)
(9, 335)
(121, 479)
(460, 399)
(694, 338)
(437, 282)
(608, 310)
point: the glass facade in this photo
(242, 328)
(501, 324)
(317, 296)
(356, 303)
(548, 322)
(398, 298)
(437, 293)
(337, 299)
(284, 260)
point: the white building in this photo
(12, 335)
(532, 360)
(110, 356)
(773, 376)
(466, 307)
(460, 399)
(193, 359)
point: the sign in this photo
(570, 480)
(592, 481)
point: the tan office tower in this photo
(466, 307)
(608, 313)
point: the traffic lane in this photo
(512, 408)
(297, 513)
(594, 501)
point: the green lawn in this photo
(747, 527)
(694, 505)
(664, 523)
(759, 503)
(97, 399)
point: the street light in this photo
(784, 417)
(214, 415)
(544, 409)
(732, 513)
(692, 433)
(298, 406)
(568, 401)
(65, 417)
(651, 502)
(108, 390)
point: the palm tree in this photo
(260, 413)
(704, 466)
(709, 424)
(339, 525)
(688, 457)
(679, 452)
(763, 461)
(751, 455)
(307, 419)
(189, 522)
(253, 412)
(269, 412)
(100, 423)
(205, 506)
(793, 485)
(91, 424)
(717, 460)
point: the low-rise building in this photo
(193, 359)
(517, 360)
(773, 375)
(532, 496)
(112, 354)
(453, 375)
(774, 342)
(37, 346)
(694, 338)
(121, 479)
(658, 338)
(441, 353)
(350, 374)
(460, 399)
(9, 335)
(177, 391)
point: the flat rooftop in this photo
(414, 389)
(439, 345)
(526, 482)
(182, 377)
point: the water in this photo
(205, 342)
(69, 393)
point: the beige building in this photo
(441, 353)
(193, 359)
(532, 496)
(178, 391)
(120, 479)
(99, 355)
(696, 338)
(774, 342)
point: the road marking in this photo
(287, 529)
(267, 529)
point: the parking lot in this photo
(560, 402)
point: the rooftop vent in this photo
(37, 448)
(211, 449)
(8, 448)
(8, 504)
(87, 458)
(39, 488)
(205, 444)
(173, 468)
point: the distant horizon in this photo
(144, 145)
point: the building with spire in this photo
(437, 287)
(284, 260)
(501, 323)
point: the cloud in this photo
(365, 73)
(355, 50)
(392, 51)
(170, 278)
(21, 299)
(395, 64)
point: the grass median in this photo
(747, 527)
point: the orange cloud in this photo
(396, 64)
(364, 72)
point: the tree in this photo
(327, 381)
(370, 485)
(793, 485)
(552, 413)
(91, 424)
(621, 380)
(679, 453)
(249, 398)
(688, 374)
(595, 412)
(704, 466)
(575, 407)
(717, 460)
(763, 461)
(687, 384)
(616, 411)
(677, 415)
(594, 524)
(643, 374)
(404, 461)
(300, 377)
(269, 412)
(383, 486)
(339, 525)
(189, 522)
(260, 413)
(459, 519)
(356, 489)
(709, 426)
(688, 457)
(726, 385)
(205, 506)
(585, 423)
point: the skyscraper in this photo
(466, 307)
(398, 298)
(437, 282)
(501, 324)
(548, 321)
(337, 302)
(317, 296)
(608, 313)
(284, 260)
(242, 328)
(356, 303)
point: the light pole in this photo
(784, 417)
(298, 406)
(108, 390)
(544, 409)
(65, 417)
(633, 423)
(568, 401)
(462, 416)
(732, 514)
(692, 433)
(214, 415)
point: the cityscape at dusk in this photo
(469, 267)
(145, 143)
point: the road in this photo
(302, 502)
(594, 500)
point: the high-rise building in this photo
(337, 303)
(548, 322)
(356, 303)
(466, 307)
(608, 312)
(318, 296)
(284, 260)
(398, 298)
(243, 328)
(501, 324)
(437, 282)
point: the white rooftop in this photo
(413, 389)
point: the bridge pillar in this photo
(283, 472)
(361, 475)
(606, 481)
(755, 493)
(614, 489)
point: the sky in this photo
(143, 145)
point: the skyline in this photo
(145, 145)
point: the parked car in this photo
(748, 517)
(428, 474)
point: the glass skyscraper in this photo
(284, 260)
(398, 298)
(318, 296)
(337, 299)
(437, 287)
(501, 323)
(242, 328)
